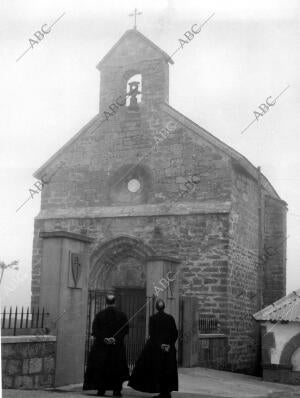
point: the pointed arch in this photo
(112, 251)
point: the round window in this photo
(134, 185)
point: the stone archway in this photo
(291, 346)
(129, 267)
(119, 260)
(120, 265)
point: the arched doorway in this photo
(119, 266)
(290, 355)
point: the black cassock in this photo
(156, 370)
(107, 365)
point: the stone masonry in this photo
(28, 362)
(199, 200)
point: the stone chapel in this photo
(141, 191)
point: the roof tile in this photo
(287, 309)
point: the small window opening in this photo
(134, 185)
(134, 92)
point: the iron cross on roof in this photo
(134, 14)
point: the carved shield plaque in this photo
(75, 270)
(171, 279)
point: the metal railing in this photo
(208, 324)
(15, 321)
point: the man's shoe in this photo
(101, 393)
(117, 394)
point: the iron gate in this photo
(134, 303)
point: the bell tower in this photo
(134, 74)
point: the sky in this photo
(245, 53)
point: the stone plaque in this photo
(75, 271)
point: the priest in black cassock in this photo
(107, 365)
(156, 368)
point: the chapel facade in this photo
(142, 180)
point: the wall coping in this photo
(211, 336)
(27, 339)
(160, 209)
(65, 234)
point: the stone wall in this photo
(254, 280)
(155, 78)
(95, 167)
(28, 362)
(275, 250)
(199, 240)
(243, 274)
(98, 167)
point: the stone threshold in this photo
(128, 391)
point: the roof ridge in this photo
(74, 138)
(143, 37)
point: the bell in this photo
(133, 92)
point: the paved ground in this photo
(193, 382)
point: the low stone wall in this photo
(280, 374)
(28, 362)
